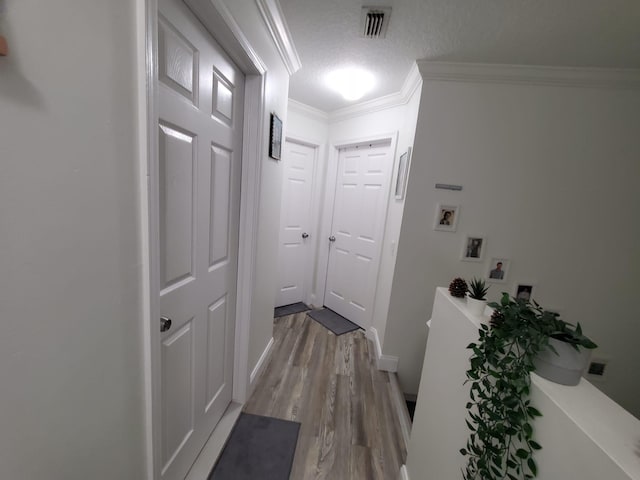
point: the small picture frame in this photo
(446, 219)
(473, 248)
(498, 270)
(401, 177)
(275, 143)
(524, 291)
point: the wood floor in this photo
(331, 386)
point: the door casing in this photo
(329, 201)
(219, 22)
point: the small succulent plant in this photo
(478, 289)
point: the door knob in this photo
(305, 235)
(165, 324)
(332, 238)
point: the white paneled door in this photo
(200, 105)
(359, 214)
(295, 223)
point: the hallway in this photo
(332, 387)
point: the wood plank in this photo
(330, 384)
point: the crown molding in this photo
(410, 86)
(308, 111)
(274, 18)
(529, 75)
(411, 83)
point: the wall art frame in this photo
(446, 217)
(275, 137)
(473, 248)
(498, 270)
(402, 174)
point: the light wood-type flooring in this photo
(349, 429)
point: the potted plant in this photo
(500, 414)
(477, 296)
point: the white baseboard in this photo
(404, 473)
(257, 370)
(213, 448)
(312, 299)
(400, 406)
(386, 363)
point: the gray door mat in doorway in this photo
(258, 448)
(290, 309)
(331, 320)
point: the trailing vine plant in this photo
(501, 442)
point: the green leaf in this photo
(535, 445)
(533, 412)
(532, 466)
(504, 301)
(522, 453)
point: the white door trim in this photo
(232, 39)
(309, 296)
(329, 201)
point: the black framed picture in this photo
(275, 144)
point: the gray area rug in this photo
(331, 320)
(290, 309)
(258, 448)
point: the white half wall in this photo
(584, 435)
(70, 289)
(550, 178)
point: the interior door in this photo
(200, 105)
(295, 218)
(359, 214)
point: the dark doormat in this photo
(290, 309)
(331, 320)
(258, 448)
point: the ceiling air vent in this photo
(374, 22)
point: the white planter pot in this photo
(566, 367)
(476, 307)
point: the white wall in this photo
(550, 177)
(70, 288)
(400, 119)
(306, 123)
(331, 129)
(71, 292)
(247, 16)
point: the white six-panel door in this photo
(359, 214)
(295, 229)
(199, 163)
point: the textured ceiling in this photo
(584, 33)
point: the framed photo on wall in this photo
(473, 248)
(446, 218)
(401, 177)
(498, 270)
(524, 291)
(275, 143)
